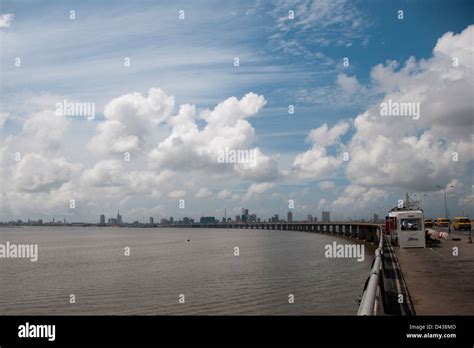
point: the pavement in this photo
(439, 280)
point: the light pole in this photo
(446, 206)
(421, 198)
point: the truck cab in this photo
(406, 228)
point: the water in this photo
(90, 263)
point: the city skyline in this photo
(227, 105)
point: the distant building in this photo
(152, 221)
(310, 218)
(290, 216)
(164, 222)
(112, 221)
(102, 219)
(245, 215)
(315, 219)
(237, 218)
(208, 220)
(171, 220)
(119, 217)
(253, 217)
(326, 217)
(376, 217)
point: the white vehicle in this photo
(406, 228)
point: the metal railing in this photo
(371, 301)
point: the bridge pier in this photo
(354, 231)
(347, 230)
(369, 234)
(340, 230)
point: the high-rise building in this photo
(376, 217)
(245, 215)
(310, 218)
(326, 216)
(208, 220)
(152, 221)
(290, 216)
(119, 217)
(171, 220)
(102, 219)
(237, 218)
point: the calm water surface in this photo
(90, 263)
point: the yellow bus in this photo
(428, 223)
(461, 223)
(441, 222)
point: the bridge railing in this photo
(371, 302)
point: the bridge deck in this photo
(440, 283)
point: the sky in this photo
(169, 98)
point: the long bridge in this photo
(360, 230)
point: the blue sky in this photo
(297, 62)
